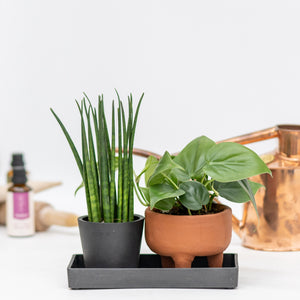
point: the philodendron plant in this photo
(107, 176)
(189, 182)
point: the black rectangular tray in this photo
(150, 274)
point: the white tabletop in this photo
(36, 268)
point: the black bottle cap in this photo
(19, 175)
(17, 160)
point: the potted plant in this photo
(183, 219)
(111, 232)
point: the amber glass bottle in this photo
(17, 161)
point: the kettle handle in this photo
(248, 138)
(255, 136)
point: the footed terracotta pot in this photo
(178, 239)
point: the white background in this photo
(218, 68)
(215, 68)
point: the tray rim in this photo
(235, 266)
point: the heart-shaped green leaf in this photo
(246, 186)
(228, 162)
(192, 157)
(178, 176)
(150, 165)
(165, 204)
(163, 168)
(196, 195)
(163, 191)
(233, 191)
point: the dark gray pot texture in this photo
(111, 245)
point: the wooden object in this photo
(45, 216)
(37, 186)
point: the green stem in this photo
(211, 200)
(208, 182)
(140, 195)
(189, 211)
(216, 192)
(171, 181)
(202, 179)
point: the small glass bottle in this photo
(17, 161)
(19, 206)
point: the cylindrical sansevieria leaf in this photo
(112, 167)
(125, 168)
(103, 166)
(93, 173)
(96, 129)
(130, 171)
(86, 169)
(120, 166)
(130, 168)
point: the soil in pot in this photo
(179, 238)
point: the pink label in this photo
(21, 205)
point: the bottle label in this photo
(20, 214)
(21, 205)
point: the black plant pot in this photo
(111, 245)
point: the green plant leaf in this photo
(246, 186)
(192, 157)
(146, 193)
(163, 191)
(70, 141)
(195, 196)
(165, 204)
(234, 192)
(228, 162)
(78, 188)
(178, 176)
(163, 168)
(150, 165)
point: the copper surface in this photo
(256, 136)
(278, 204)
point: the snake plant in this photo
(106, 170)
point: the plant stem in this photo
(208, 182)
(140, 195)
(211, 199)
(189, 211)
(171, 181)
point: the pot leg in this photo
(167, 262)
(215, 261)
(183, 261)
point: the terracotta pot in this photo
(178, 239)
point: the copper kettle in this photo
(278, 225)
